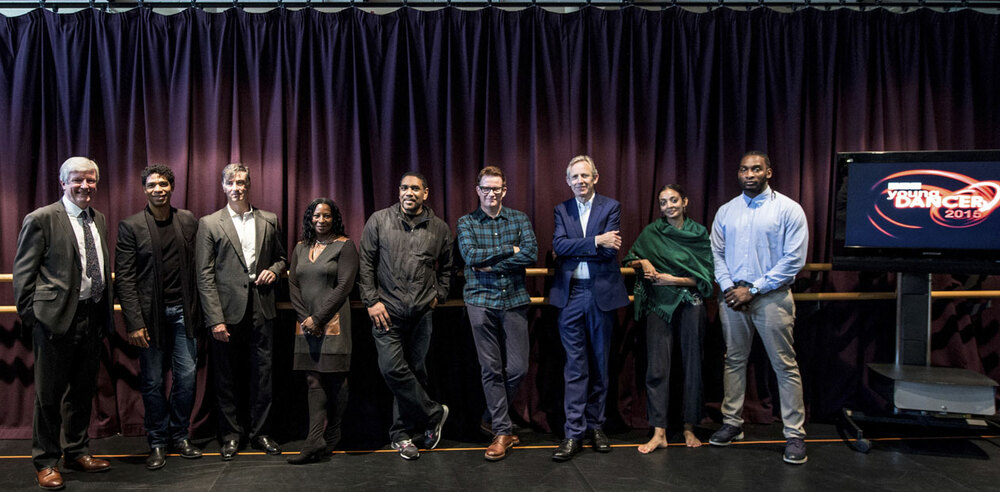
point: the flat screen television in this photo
(923, 212)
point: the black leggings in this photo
(327, 397)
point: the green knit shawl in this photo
(685, 252)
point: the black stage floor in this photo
(904, 459)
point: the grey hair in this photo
(78, 164)
(582, 158)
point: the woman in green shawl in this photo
(673, 262)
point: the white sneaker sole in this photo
(795, 462)
(739, 437)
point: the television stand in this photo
(921, 394)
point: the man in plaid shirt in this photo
(497, 243)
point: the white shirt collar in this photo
(73, 209)
(234, 214)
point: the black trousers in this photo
(687, 324)
(402, 353)
(65, 381)
(242, 375)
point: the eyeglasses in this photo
(486, 190)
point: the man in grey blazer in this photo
(62, 284)
(239, 254)
(155, 282)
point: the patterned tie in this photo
(93, 266)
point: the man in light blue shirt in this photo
(759, 242)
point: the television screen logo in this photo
(917, 198)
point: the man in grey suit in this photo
(62, 284)
(239, 254)
(154, 264)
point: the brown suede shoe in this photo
(498, 450)
(89, 464)
(49, 478)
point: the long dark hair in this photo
(309, 232)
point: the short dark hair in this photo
(233, 168)
(309, 232)
(415, 174)
(491, 171)
(767, 160)
(160, 169)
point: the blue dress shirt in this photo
(761, 240)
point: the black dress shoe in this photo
(305, 457)
(567, 448)
(601, 442)
(228, 450)
(266, 444)
(156, 459)
(186, 449)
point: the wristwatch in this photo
(754, 291)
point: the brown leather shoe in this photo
(89, 464)
(498, 450)
(49, 478)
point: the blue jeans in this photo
(168, 422)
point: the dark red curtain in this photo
(341, 104)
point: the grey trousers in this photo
(772, 316)
(502, 345)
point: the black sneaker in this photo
(795, 451)
(726, 435)
(407, 450)
(433, 435)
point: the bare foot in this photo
(690, 440)
(655, 443)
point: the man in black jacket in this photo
(405, 271)
(156, 285)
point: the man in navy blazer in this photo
(588, 288)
